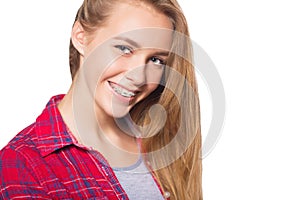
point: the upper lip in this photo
(126, 88)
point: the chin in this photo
(119, 114)
(118, 111)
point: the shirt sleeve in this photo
(17, 180)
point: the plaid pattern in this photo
(44, 161)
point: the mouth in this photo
(122, 91)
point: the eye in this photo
(124, 49)
(157, 61)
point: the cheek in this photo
(151, 87)
(112, 71)
(154, 75)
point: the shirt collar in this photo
(52, 132)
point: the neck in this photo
(99, 131)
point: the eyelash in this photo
(161, 62)
(126, 50)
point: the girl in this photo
(129, 127)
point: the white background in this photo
(255, 46)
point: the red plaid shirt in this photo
(44, 161)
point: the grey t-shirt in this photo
(138, 182)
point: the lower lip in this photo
(126, 100)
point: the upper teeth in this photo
(123, 92)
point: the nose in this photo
(137, 73)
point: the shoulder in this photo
(13, 156)
(17, 174)
(19, 150)
(23, 139)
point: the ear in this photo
(78, 37)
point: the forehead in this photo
(142, 24)
(133, 15)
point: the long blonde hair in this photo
(182, 178)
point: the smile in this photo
(122, 91)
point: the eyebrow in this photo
(128, 40)
(137, 45)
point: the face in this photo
(133, 47)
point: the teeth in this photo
(123, 92)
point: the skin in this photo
(135, 67)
